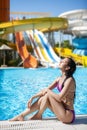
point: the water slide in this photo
(47, 47)
(37, 50)
(77, 26)
(42, 24)
(77, 22)
(43, 49)
(80, 44)
(29, 61)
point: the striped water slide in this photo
(57, 59)
(44, 59)
(48, 47)
(43, 50)
(28, 40)
(36, 48)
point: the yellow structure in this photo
(42, 24)
(66, 52)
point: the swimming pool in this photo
(17, 85)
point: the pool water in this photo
(17, 85)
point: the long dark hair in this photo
(70, 72)
(72, 65)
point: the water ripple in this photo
(18, 85)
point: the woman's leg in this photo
(62, 114)
(52, 103)
(21, 116)
(43, 104)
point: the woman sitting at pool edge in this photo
(61, 104)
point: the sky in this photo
(53, 7)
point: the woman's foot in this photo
(18, 118)
(21, 118)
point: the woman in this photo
(62, 104)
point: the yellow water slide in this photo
(42, 24)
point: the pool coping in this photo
(45, 124)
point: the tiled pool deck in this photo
(46, 124)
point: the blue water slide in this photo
(80, 52)
(80, 45)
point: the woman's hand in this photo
(38, 95)
(44, 91)
(41, 93)
(29, 102)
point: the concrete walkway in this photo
(46, 124)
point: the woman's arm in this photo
(50, 87)
(59, 97)
(43, 92)
(67, 86)
(35, 96)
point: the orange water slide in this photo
(29, 61)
